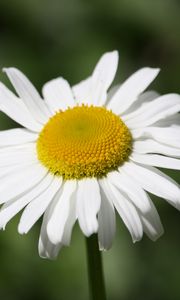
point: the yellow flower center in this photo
(83, 141)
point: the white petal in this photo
(169, 136)
(147, 211)
(171, 121)
(11, 208)
(16, 136)
(154, 111)
(37, 207)
(162, 102)
(156, 160)
(94, 89)
(107, 222)
(6, 170)
(18, 156)
(72, 217)
(106, 68)
(18, 160)
(45, 247)
(131, 89)
(26, 147)
(29, 148)
(88, 205)
(151, 222)
(111, 92)
(57, 222)
(150, 146)
(16, 110)
(28, 94)
(103, 76)
(21, 181)
(125, 209)
(82, 90)
(14, 154)
(142, 100)
(127, 186)
(154, 181)
(58, 94)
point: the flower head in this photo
(87, 151)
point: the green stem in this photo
(95, 270)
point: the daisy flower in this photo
(85, 152)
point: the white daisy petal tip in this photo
(53, 238)
(2, 226)
(5, 69)
(8, 70)
(158, 235)
(102, 248)
(21, 230)
(150, 72)
(114, 55)
(87, 210)
(152, 232)
(155, 70)
(3, 223)
(29, 95)
(109, 56)
(46, 249)
(131, 89)
(178, 204)
(109, 63)
(136, 240)
(88, 230)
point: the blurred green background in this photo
(48, 38)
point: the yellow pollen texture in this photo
(83, 141)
